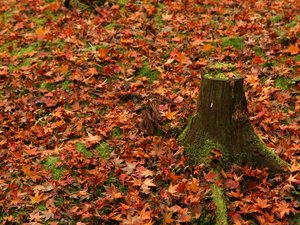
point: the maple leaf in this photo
(130, 167)
(294, 179)
(194, 185)
(167, 17)
(262, 203)
(37, 198)
(292, 49)
(181, 58)
(207, 47)
(169, 114)
(210, 176)
(102, 52)
(48, 214)
(252, 80)
(93, 139)
(168, 218)
(145, 172)
(35, 216)
(173, 189)
(30, 173)
(184, 218)
(294, 167)
(197, 210)
(283, 208)
(146, 184)
(231, 184)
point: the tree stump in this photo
(222, 122)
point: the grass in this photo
(117, 132)
(235, 42)
(146, 71)
(80, 147)
(104, 149)
(283, 83)
(50, 164)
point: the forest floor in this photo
(92, 101)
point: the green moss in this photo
(50, 164)
(28, 49)
(221, 66)
(42, 207)
(283, 83)
(276, 19)
(66, 85)
(222, 76)
(200, 150)
(47, 86)
(258, 51)
(146, 71)
(297, 58)
(59, 201)
(117, 132)
(218, 199)
(110, 26)
(158, 16)
(6, 16)
(39, 21)
(122, 2)
(236, 42)
(104, 149)
(80, 147)
(291, 24)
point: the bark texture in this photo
(222, 122)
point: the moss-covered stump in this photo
(221, 122)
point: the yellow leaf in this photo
(37, 198)
(170, 115)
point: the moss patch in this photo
(116, 132)
(50, 164)
(276, 19)
(283, 83)
(236, 42)
(104, 149)
(218, 198)
(80, 147)
(146, 71)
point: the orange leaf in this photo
(294, 167)
(168, 218)
(102, 53)
(293, 49)
(294, 179)
(172, 189)
(93, 138)
(181, 58)
(170, 115)
(37, 198)
(207, 47)
(262, 203)
(146, 184)
(184, 218)
(64, 68)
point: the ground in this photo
(74, 85)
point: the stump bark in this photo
(222, 122)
